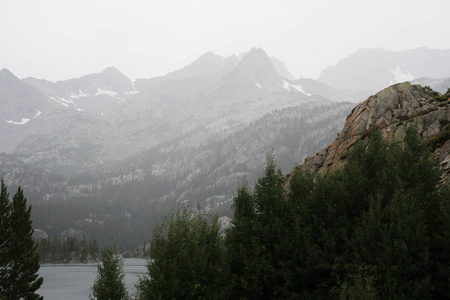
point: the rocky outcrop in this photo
(392, 110)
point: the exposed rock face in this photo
(392, 110)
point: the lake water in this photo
(73, 281)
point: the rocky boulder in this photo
(392, 110)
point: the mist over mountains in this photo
(115, 152)
(374, 69)
(100, 115)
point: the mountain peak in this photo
(7, 76)
(112, 71)
(208, 54)
(207, 64)
(257, 58)
(208, 57)
(112, 79)
(5, 72)
(255, 70)
(256, 52)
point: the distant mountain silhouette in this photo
(375, 69)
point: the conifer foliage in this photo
(5, 236)
(375, 229)
(186, 259)
(110, 282)
(19, 261)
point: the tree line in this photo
(70, 249)
(378, 228)
(95, 201)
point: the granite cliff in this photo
(392, 110)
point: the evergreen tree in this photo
(441, 265)
(83, 250)
(240, 239)
(110, 281)
(381, 223)
(22, 280)
(382, 211)
(255, 243)
(186, 259)
(358, 286)
(5, 235)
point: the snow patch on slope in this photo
(37, 114)
(112, 94)
(298, 87)
(400, 75)
(106, 92)
(63, 101)
(133, 91)
(81, 94)
(24, 120)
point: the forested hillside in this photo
(121, 201)
(367, 230)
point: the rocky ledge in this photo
(392, 110)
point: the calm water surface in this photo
(73, 281)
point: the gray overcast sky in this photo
(64, 39)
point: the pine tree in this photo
(240, 239)
(5, 234)
(22, 280)
(255, 242)
(110, 282)
(186, 259)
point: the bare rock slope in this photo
(392, 110)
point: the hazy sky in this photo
(64, 39)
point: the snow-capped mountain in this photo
(101, 117)
(93, 93)
(21, 106)
(374, 69)
(186, 137)
(254, 76)
(19, 102)
(214, 102)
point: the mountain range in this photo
(374, 69)
(100, 116)
(116, 152)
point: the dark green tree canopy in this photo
(110, 281)
(5, 235)
(19, 259)
(186, 258)
(375, 229)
